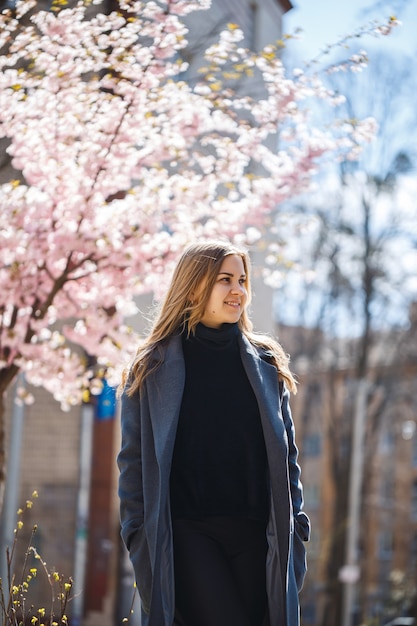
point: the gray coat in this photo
(149, 424)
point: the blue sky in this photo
(326, 21)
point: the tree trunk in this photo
(2, 450)
(338, 470)
(332, 614)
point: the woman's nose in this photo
(238, 288)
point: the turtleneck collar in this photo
(216, 337)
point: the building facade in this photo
(385, 584)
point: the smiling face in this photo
(228, 297)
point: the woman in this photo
(210, 492)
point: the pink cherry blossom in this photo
(122, 163)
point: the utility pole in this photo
(11, 494)
(350, 572)
(81, 534)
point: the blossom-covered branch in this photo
(122, 163)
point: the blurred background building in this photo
(324, 409)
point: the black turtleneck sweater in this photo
(219, 465)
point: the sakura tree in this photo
(121, 164)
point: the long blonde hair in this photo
(183, 307)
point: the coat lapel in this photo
(263, 378)
(165, 389)
(264, 381)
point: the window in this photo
(387, 489)
(387, 442)
(311, 496)
(312, 445)
(413, 560)
(414, 461)
(385, 543)
(309, 612)
(414, 500)
(314, 546)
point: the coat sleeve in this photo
(129, 461)
(133, 531)
(301, 521)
